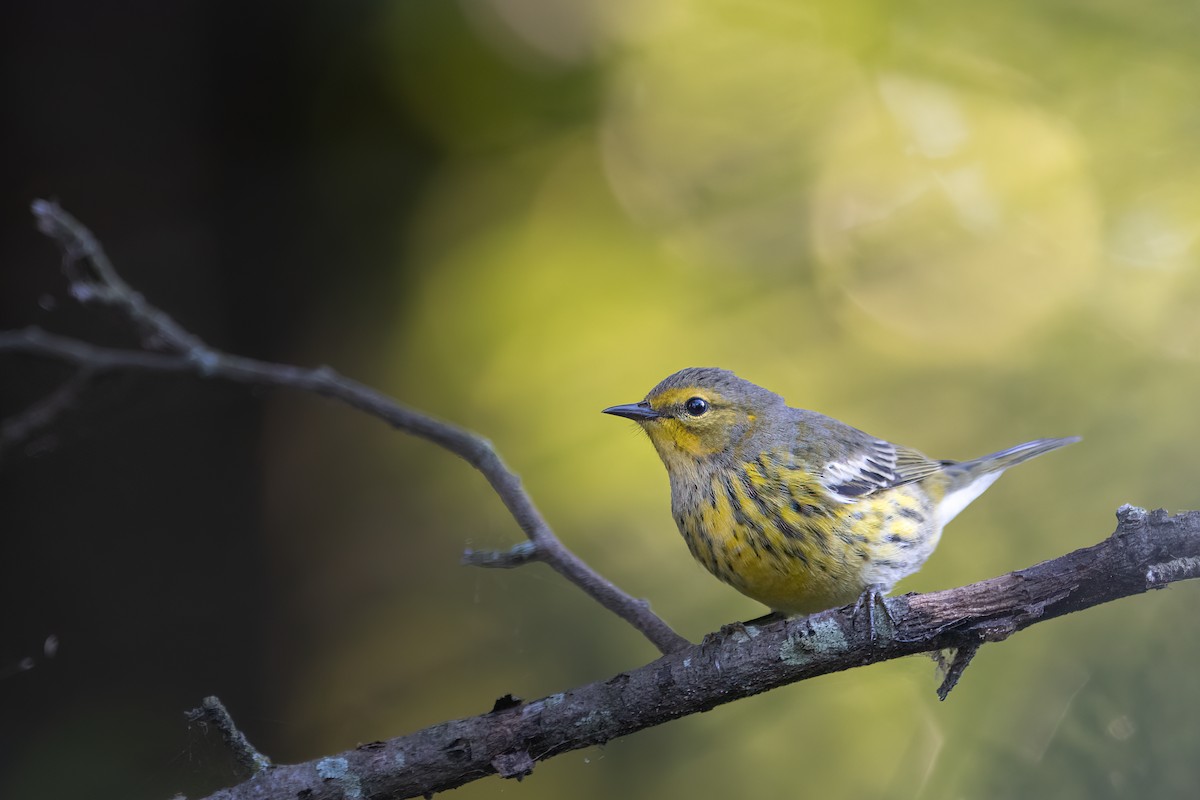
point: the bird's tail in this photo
(968, 479)
(997, 462)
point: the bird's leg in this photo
(868, 601)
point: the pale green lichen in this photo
(742, 633)
(825, 637)
(594, 721)
(523, 550)
(1131, 513)
(338, 769)
(538, 706)
(748, 632)
(333, 769)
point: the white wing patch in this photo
(881, 465)
(869, 471)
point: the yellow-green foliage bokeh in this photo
(957, 226)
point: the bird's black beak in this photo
(634, 411)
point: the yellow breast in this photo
(772, 533)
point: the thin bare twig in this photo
(92, 278)
(213, 712)
(16, 431)
(189, 354)
(955, 665)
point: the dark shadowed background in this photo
(956, 227)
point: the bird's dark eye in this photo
(696, 406)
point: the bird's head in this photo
(699, 413)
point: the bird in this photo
(796, 509)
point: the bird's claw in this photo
(868, 601)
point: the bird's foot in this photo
(864, 610)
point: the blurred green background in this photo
(956, 226)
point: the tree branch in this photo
(213, 712)
(1147, 551)
(474, 449)
(18, 430)
(92, 278)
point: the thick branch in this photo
(1147, 551)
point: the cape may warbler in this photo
(799, 511)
